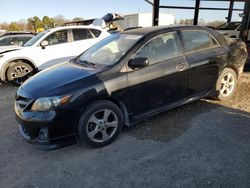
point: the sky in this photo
(14, 10)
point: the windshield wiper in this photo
(86, 62)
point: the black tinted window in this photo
(95, 32)
(23, 40)
(8, 41)
(161, 48)
(57, 37)
(198, 40)
(81, 34)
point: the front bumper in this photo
(49, 144)
(47, 130)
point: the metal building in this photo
(245, 16)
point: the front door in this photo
(57, 51)
(164, 81)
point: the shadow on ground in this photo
(170, 124)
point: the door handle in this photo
(181, 66)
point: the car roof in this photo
(148, 30)
(19, 35)
(75, 27)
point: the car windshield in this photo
(34, 39)
(229, 26)
(109, 50)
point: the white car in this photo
(46, 49)
(231, 29)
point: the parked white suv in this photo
(46, 49)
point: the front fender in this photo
(6, 62)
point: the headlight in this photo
(45, 104)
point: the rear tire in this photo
(19, 72)
(100, 124)
(226, 84)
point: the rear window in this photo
(198, 40)
(81, 34)
(95, 32)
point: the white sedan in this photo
(46, 49)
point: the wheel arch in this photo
(114, 100)
(234, 68)
(233, 36)
(11, 61)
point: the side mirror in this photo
(44, 44)
(138, 62)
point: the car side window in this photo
(58, 37)
(160, 48)
(198, 40)
(23, 40)
(8, 41)
(81, 34)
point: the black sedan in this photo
(122, 80)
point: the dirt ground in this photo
(202, 144)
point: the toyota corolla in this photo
(122, 80)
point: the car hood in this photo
(59, 80)
(4, 49)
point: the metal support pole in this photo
(156, 7)
(230, 11)
(245, 22)
(196, 12)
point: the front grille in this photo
(22, 102)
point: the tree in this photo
(215, 23)
(48, 22)
(59, 20)
(22, 24)
(29, 25)
(14, 27)
(77, 19)
(4, 26)
(35, 22)
(186, 22)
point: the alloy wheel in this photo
(102, 125)
(227, 84)
(20, 73)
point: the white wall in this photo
(144, 20)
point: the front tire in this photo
(226, 84)
(100, 124)
(18, 72)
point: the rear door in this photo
(202, 56)
(163, 82)
(83, 38)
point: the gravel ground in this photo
(202, 144)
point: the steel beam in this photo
(156, 7)
(245, 22)
(201, 8)
(196, 12)
(230, 11)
